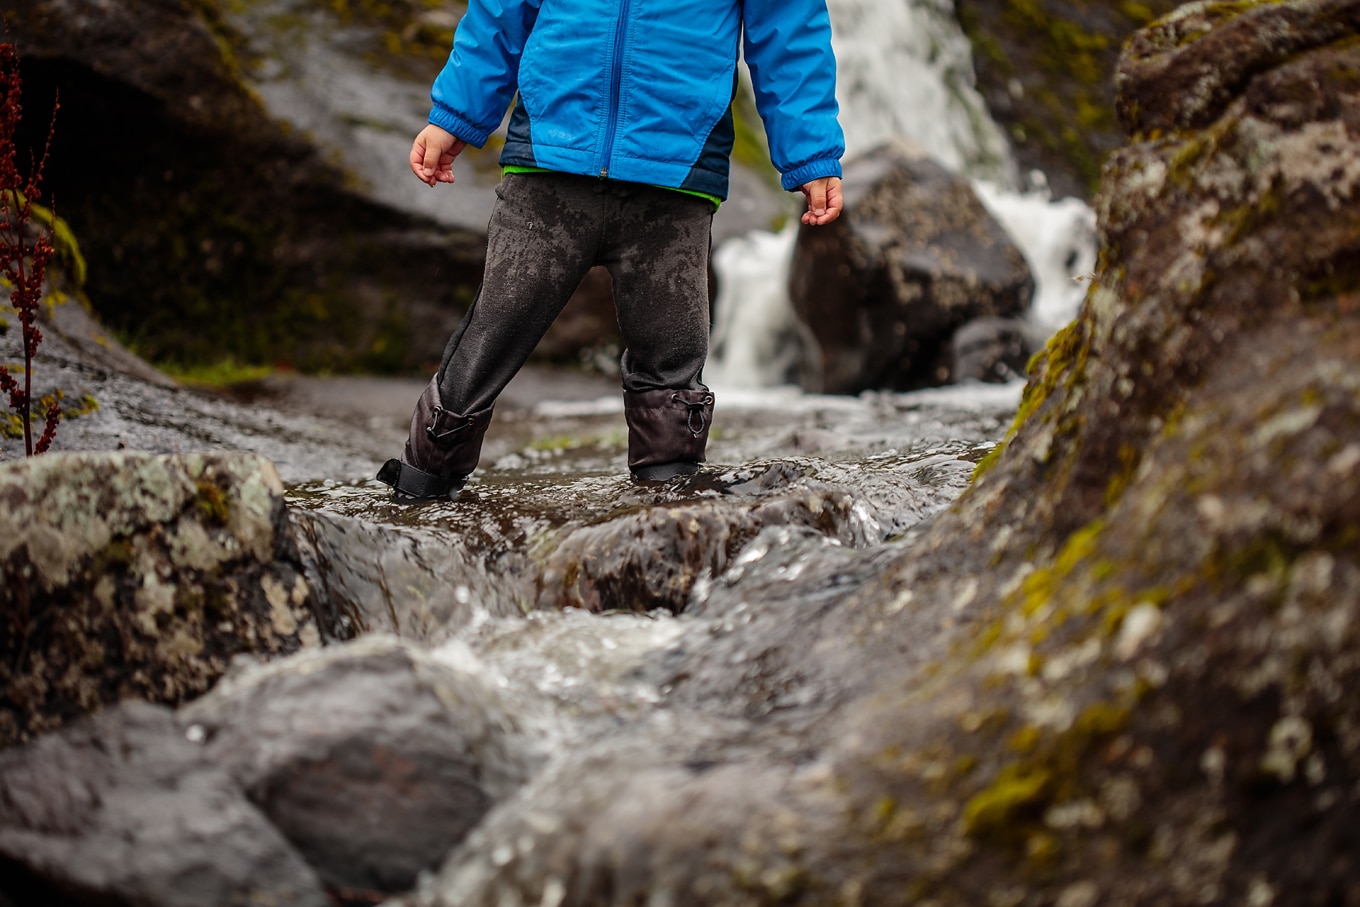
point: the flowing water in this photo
(904, 70)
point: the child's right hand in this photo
(433, 153)
(823, 200)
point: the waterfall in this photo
(904, 68)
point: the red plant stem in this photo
(25, 319)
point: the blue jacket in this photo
(641, 90)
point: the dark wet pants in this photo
(546, 231)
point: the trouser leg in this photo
(657, 251)
(541, 240)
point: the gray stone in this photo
(913, 258)
(990, 349)
(122, 809)
(653, 558)
(374, 759)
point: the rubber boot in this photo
(442, 450)
(667, 432)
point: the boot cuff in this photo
(667, 427)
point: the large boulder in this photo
(1118, 672)
(128, 575)
(653, 558)
(214, 230)
(121, 808)
(914, 257)
(373, 759)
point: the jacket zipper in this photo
(615, 81)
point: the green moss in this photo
(12, 424)
(65, 249)
(1064, 357)
(555, 443)
(211, 503)
(1024, 740)
(222, 374)
(81, 406)
(993, 811)
(986, 463)
(1047, 772)
(1138, 13)
(1129, 457)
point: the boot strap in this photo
(695, 409)
(415, 482)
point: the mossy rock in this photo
(1046, 69)
(136, 576)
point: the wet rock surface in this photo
(556, 524)
(373, 759)
(370, 759)
(122, 809)
(914, 258)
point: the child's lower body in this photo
(546, 232)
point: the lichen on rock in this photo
(132, 575)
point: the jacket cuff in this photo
(809, 172)
(451, 123)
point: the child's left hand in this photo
(823, 200)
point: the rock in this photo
(1117, 671)
(383, 579)
(914, 257)
(653, 558)
(373, 759)
(1185, 71)
(990, 349)
(136, 576)
(214, 231)
(1045, 70)
(122, 809)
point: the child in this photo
(616, 155)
